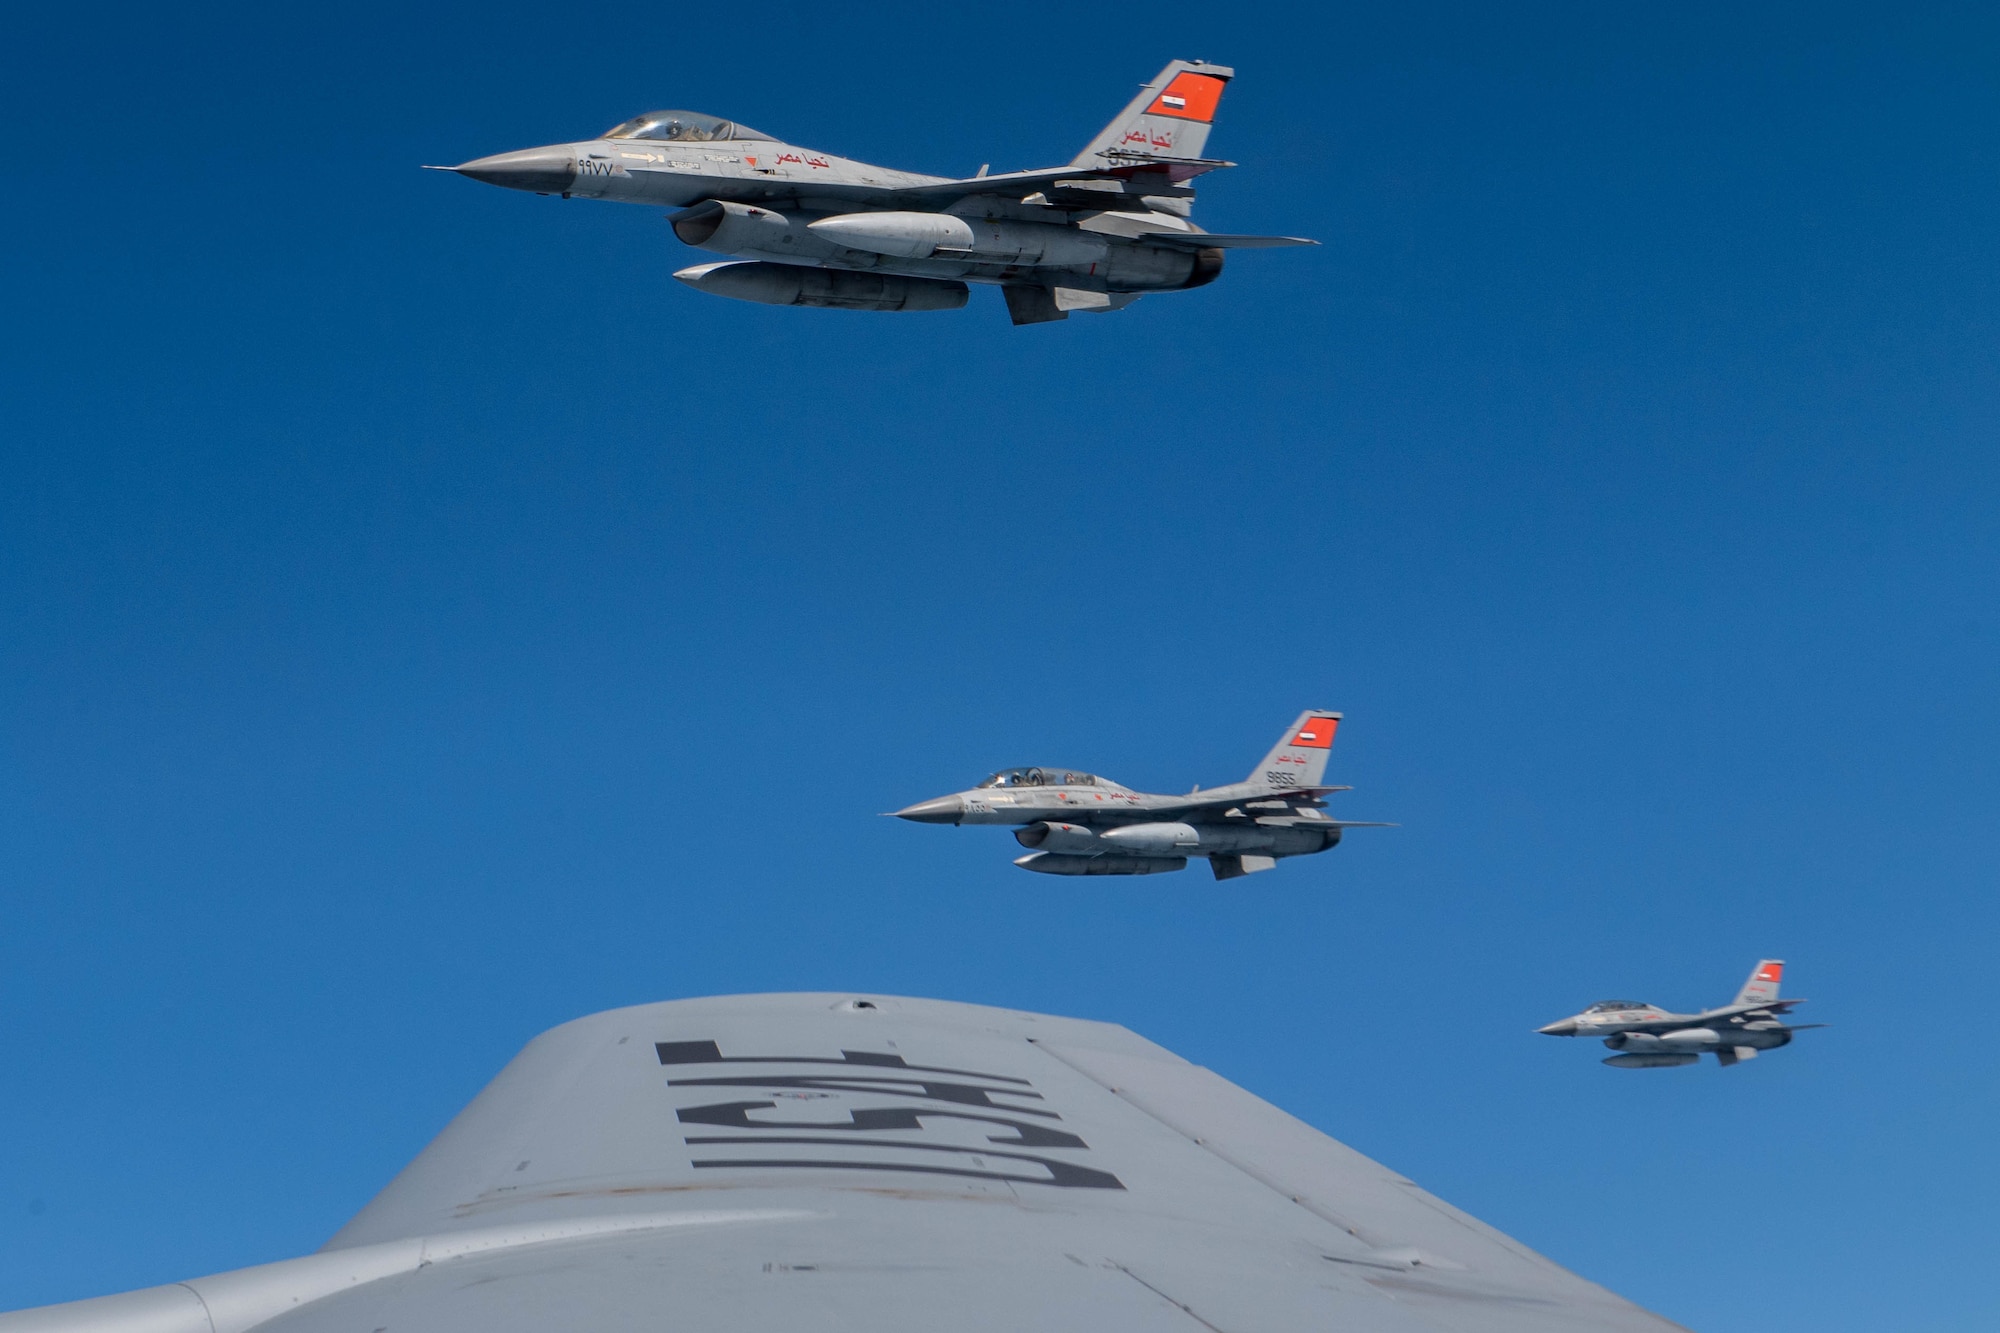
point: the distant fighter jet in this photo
(808, 228)
(1081, 824)
(1647, 1037)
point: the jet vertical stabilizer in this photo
(1169, 119)
(1300, 758)
(1763, 984)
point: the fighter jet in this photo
(809, 228)
(1648, 1037)
(1081, 824)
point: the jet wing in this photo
(1679, 1022)
(1012, 184)
(1080, 187)
(1772, 1007)
(774, 1162)
(1205, 240)
(1222, 798)
(1092, 186)
(1099, 188)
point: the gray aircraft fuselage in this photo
(803, 227)
(1236, 818)
(1077, 823)
(790, 188)
(1647, 1036)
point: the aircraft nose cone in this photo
(1566, 1028)
(943, 810)
(543, 170)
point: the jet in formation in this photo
(808, 228)
(1081, 824)
(1646, 1036)
(850, 1163)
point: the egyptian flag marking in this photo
(1317, 734)
(1190, 96)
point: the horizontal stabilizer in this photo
(1776, 1008)
(1290, 798)
(1289, 795)
(1314, 821)
(1128, 162)
(1202, 240)
(1075, 184)
(1024, 184)
(1006, 182)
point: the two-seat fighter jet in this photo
(1081, 824)
(808, 228)
(1648, 1037)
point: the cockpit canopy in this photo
(1040, 777)
(1607, 1006)
(681, 127)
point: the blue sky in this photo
(423, 621)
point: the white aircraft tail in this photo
(1169, 119)
(1762, 987)
(1299, 760)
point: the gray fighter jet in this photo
(1081, 824)
(809, 228)
(1648, 1037)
